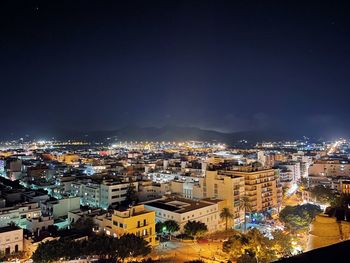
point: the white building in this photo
(19, 214)
(102, 195)
(183, 210)
(34, 225)
(61, 207)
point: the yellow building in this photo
(262, 187)
(68, 158)
(135, 220)
(225, 186)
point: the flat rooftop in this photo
(8, 228)
(181, 205)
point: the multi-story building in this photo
(330, 167)
(293, 167)
(183, 210)
(19, 214)
(225, 186)
(345, 186)
(135, 220)
(216, 184)
(113, 193)
(35, 225)
(11, 239)
(262, 187)
(61, 207)
(102, 194)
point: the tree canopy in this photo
(255, 247)
(84, 224)
(131, 197)
(323, 195)
(195, 228)
(104, 247)
(299, 217)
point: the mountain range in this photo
(175, 133)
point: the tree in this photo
(84, 224)
(249, 246)
(105, 247)
(159, 227)
(340, 208)
(195, 228)
(171, 226)
(323, 195)
(244, 204)
(281, 243)
(226, 215)
(131, 196)
(130, 245)
(299, 217)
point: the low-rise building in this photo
(61, 207)
(134, 220)
(183, 210)
(19, 214)
(11, 239)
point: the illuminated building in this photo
(330, 167)
(134, 220)
(262, 187)
(183, 210)
(11, 238)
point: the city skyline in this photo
(223, 66)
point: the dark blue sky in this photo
(223, 65)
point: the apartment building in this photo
(102, 194)
(262, 187)
(19, 214)
(113, 193)
(216, 185)
(60, 207)
(330, 167)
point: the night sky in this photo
(222, 65)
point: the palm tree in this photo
(244, 204)
(226, 215)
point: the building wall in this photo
(136, 220)
(217, 184)
(209, 215)
(262, 188)
(19, 214)
(11, 241)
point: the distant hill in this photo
(174, 133)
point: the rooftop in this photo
(9, 228)
(180, 205)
